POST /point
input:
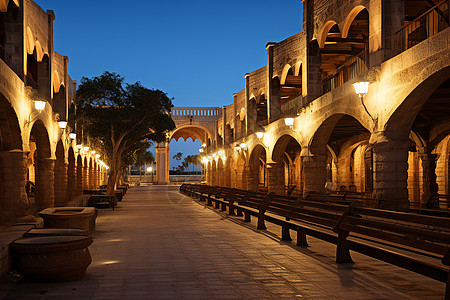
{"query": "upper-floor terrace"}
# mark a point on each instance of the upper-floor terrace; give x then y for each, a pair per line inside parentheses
(341, 41)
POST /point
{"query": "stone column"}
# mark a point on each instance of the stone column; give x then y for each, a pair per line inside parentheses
(273, 100)
(253, 177)
(13, 197)
(390, 172)
(213, 173)
(429, 185)
(45, 180)
(72, 181)
(61, 183)
(98, 176)
(162, 163)
(79, 179)
(275, 178)
(86, 176)
(314, 173)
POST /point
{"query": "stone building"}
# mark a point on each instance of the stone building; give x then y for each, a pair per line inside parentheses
(299, 123)
(40, 165)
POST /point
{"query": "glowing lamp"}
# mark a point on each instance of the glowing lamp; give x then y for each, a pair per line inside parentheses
(201, 150)
(361, 88)
(39, 105)
(289, 121)
(97, 156)
(220, 152)
(243, 146)
(209, 157)
(72, 135)
(238, 148)
(203, 145)
(62, 124)
(79, 146)
(86, 148)
(93, 151)
(259, 134)
(214, 155)
(149, 169)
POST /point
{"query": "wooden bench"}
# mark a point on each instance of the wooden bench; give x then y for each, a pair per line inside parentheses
(369, 231)
(102, 201)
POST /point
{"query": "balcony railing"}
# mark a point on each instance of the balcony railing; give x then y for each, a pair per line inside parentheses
(426, 25)
(349, 70)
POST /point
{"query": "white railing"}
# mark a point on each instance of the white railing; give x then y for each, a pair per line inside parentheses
(210, 112)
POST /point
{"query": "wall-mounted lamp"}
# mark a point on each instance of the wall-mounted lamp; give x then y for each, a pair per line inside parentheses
(361, 89)
(62, 124)
(289, 121)
(220, 152)
(201, 150)
(86, 148)
(149, 169)
(204, 160)
(79, 146)
(214, 155)
(39, 105)
(72, 135)
(259, 134)
(93, 151)
(243, 146)
(238, 148)
(97, 156)
(203, 145)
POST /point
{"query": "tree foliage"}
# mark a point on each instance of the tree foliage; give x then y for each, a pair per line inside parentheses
(121, 117)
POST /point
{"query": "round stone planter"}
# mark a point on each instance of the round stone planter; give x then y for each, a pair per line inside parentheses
(52, 258)
(37, 232)
(69, 217)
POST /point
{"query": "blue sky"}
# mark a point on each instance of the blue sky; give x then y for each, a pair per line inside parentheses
(196, 51)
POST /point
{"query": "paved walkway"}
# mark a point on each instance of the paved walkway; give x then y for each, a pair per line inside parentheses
(160, 244)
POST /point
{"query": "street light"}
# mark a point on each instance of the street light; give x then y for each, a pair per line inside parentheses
(361, 89)
(39, 105)
(62, 124)
(289, 121)
(72, 135)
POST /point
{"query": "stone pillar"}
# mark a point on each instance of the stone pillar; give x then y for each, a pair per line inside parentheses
(429, 185)
(213, 173)
(72, 190)
(13, 197)
(61, 183)
(98, 176)
(92, 177)
(253, 177)
(45, 180)
(275, 178)
(162, 163)
(390, 172)
(79, 179)
(86, 176)
(274, 99)
(314, 173)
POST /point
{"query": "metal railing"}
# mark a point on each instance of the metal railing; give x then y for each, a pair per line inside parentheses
(426, 25)
(349, 70)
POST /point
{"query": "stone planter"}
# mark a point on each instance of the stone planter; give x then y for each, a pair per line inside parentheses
(52, 258)
(69, 217)
(37, 232)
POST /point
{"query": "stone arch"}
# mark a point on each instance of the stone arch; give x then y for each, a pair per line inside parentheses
(227, 173)
(191, 131)
(5, 3)
(57, 83)
(349, 20)
(220, 172)
(10, 132)
(324, 32)
(256, 166)
(80, 174)
(284, 74)
(44, 166)
(60, 175)
(71, 174)
(287, 153)
(402, 118)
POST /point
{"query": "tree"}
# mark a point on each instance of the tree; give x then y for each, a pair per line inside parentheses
(178, 156)
(123, 117)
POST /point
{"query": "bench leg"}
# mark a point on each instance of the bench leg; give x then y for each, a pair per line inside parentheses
(216, 205)
(261, 223)
(285, 234)
(247, 216)
(301, 237)
(447, 288)
(231, 209)
(208, 202)
(223, 207)
(342, 249)
(239, 212)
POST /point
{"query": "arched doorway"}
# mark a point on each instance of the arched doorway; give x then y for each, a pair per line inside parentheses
(287, 153)
(257, 169)
(60, 176)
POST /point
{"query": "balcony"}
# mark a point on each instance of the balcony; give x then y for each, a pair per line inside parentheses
(347, 71)
(426, 25)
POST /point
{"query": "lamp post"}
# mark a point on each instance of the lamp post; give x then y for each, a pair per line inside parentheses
(361, 89)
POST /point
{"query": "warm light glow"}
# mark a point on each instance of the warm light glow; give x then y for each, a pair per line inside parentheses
(259, 134)
(238, 148)
(243, 146)
(203, 145)
(149, 169)
(201, 150)
(220, 152)
(361, 88)
(72, 135)
(97, 156)
(214, 155)
(289, 121)
(62, 124)
(39, 105)
(86, 148)
(209, 157)
(204, 160)
(79, 146)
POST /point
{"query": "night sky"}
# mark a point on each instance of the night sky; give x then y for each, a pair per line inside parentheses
(196, 51)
